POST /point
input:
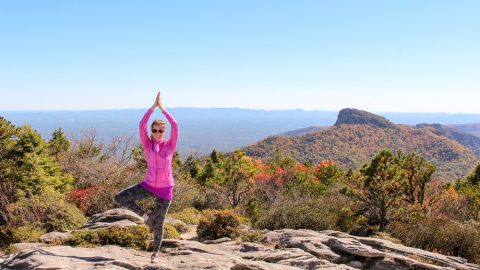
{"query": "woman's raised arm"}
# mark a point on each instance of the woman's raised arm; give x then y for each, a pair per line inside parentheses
(143, 124)
(172, 141)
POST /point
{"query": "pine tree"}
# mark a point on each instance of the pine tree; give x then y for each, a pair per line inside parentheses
(35, 167)
(58, 143)
(232, 177)
(471, 188)
(379, 186)
(418, 173)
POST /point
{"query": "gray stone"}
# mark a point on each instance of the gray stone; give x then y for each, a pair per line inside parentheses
(113, 216)
(54, 237)
(356, 264)
(217, 241)
(105, 225)
(354, 247)
(177, 224)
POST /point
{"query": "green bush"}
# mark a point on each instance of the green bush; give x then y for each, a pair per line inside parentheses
(188, 215)
(27, 233)
(6, 236)
(218, 224)
(179, 226)
(440, 235)
(386, 236)
(129, 236)
(299, 213)
(253, 236)
(11, 249)
(49, 211)
(170, 232)
(206, 198)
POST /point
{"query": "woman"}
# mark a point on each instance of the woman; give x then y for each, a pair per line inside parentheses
(158, 181)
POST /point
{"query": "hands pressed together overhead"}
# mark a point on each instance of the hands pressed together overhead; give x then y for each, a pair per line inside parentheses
(158, 102)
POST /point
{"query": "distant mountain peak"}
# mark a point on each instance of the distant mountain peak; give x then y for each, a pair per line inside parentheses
(351, 116)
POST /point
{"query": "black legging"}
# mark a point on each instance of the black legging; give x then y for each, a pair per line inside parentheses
(128, 197)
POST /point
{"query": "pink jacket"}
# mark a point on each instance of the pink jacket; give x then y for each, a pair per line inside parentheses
(159, 154)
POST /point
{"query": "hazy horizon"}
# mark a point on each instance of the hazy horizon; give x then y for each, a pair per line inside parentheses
(238, 108)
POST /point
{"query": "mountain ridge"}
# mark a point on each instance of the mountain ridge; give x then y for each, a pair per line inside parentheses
(350, 144)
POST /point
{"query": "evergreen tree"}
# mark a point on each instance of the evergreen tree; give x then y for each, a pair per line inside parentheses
(35, 167)
(232, 177)
(58, 143)
(379, 186)
(418, 173)
(471, 188)
(214, 156)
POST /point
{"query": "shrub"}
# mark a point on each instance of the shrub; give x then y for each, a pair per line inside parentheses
(27, 233)
(218, 224)
(130, 236)
(253, 236)
(386, 236)
(179, 226)
(11, 249)
(189, 216)
(6, 236)
(170, 232)
(440, 235)
(48, 211)
(206, 198)
(300, 213)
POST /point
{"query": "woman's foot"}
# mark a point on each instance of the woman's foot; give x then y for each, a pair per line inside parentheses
(155, 258)
(148, 219)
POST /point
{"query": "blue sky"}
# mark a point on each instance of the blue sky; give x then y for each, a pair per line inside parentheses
(381, 56)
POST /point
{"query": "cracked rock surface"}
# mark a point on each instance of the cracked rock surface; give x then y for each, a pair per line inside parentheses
(280, 249)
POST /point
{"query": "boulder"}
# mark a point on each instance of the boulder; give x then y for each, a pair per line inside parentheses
(113, 217)
(54, 237)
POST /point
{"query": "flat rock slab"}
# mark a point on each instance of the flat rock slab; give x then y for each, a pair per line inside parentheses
(372, 253)
(179, 254)
(280, 249)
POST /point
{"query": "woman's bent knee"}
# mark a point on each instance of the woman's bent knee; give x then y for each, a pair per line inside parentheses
(119, 199)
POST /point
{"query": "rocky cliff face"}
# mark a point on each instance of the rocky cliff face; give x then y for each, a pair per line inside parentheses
(359, 117)
(280, 249)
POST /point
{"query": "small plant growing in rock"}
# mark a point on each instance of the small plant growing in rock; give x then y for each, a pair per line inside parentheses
(11, 249)
(253, 236)
(130, 236)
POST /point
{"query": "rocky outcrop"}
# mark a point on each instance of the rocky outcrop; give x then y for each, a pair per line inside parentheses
(279, 249)
(113, 217)
(359, 117)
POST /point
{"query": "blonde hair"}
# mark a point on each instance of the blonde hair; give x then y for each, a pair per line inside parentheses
(158, 122)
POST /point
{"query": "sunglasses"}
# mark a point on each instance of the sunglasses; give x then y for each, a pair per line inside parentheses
(157, 130)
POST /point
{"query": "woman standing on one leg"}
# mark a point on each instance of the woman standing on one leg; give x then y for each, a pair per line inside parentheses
(159, 179)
